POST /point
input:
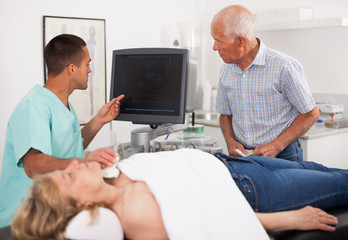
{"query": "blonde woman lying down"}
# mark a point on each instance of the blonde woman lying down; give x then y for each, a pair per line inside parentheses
(185, 194)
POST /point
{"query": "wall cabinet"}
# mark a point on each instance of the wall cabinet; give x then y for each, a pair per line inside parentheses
(305, 24)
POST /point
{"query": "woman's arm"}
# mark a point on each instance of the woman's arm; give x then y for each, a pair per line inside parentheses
(307, 218)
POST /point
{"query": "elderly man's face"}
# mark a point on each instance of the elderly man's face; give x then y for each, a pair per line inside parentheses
(228, 50)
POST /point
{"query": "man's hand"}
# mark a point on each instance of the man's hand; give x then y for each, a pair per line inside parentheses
(267, 150)
(110, 110)
(232, 146)
(106, 114)
(297, 128)
(106, 157)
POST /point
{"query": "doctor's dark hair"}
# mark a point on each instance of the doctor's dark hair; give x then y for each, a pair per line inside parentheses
(63, 50)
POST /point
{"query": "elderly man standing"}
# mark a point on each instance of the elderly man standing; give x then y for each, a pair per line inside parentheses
(263, 97)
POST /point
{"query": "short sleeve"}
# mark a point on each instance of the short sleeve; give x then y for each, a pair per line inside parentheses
(222, 101)
(296, 89)
(30, 128)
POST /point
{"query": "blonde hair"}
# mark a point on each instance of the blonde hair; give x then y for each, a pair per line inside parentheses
(45, 213)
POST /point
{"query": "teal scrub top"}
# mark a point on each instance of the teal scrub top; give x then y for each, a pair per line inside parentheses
(40, 121)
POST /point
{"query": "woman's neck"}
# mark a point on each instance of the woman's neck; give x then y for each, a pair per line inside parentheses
(108, 195)
(114, 189)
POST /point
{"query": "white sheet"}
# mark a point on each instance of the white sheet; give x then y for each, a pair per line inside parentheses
(197, 195)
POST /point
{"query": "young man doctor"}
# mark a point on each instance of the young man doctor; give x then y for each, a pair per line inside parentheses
(43, 133)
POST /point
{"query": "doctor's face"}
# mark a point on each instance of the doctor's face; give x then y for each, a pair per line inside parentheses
(79, 180)
(82, 71)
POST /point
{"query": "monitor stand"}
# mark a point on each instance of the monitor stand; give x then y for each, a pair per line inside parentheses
(142, 136)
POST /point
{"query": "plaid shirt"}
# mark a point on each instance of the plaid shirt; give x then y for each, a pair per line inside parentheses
(265, 98)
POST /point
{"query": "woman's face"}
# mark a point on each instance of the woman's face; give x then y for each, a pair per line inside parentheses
(80, 181)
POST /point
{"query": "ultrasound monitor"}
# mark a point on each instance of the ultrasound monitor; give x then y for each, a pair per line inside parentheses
(153, 81)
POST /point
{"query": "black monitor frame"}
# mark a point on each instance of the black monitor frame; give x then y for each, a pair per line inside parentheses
(152, 119)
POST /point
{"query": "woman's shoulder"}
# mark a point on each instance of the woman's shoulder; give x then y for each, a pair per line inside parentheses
(139, 212)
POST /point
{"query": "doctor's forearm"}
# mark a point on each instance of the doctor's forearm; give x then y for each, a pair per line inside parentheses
(36, 162)
(89, 131)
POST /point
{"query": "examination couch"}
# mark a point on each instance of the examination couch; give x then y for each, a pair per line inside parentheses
(340, 233)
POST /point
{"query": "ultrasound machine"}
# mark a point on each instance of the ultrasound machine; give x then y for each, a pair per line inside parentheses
(159, 85)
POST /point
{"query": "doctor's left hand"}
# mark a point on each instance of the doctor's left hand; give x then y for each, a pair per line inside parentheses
(106, 157)
(110, 110)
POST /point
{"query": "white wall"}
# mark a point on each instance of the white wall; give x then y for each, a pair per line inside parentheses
(134, 23)
(323, 52)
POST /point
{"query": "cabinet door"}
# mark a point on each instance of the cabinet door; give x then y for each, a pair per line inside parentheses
(330, 151)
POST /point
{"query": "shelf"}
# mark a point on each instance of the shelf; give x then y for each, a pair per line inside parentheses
(304, 24)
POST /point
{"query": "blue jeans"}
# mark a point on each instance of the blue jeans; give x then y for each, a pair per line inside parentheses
(292, 152)
(272, 184)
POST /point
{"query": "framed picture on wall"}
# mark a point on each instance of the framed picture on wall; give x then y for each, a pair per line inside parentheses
(85, 102)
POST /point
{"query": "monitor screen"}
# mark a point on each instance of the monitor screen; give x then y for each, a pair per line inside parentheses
(153, 81)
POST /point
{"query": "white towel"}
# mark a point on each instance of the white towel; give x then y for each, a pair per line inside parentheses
(197, 195)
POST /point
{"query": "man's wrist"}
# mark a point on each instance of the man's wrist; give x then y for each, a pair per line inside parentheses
(231, 141)
(97, 122)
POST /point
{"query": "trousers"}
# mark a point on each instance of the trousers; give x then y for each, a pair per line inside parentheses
(292, 152)
(272, 184)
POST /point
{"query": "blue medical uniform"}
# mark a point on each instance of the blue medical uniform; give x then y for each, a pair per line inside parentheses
(42, 122)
